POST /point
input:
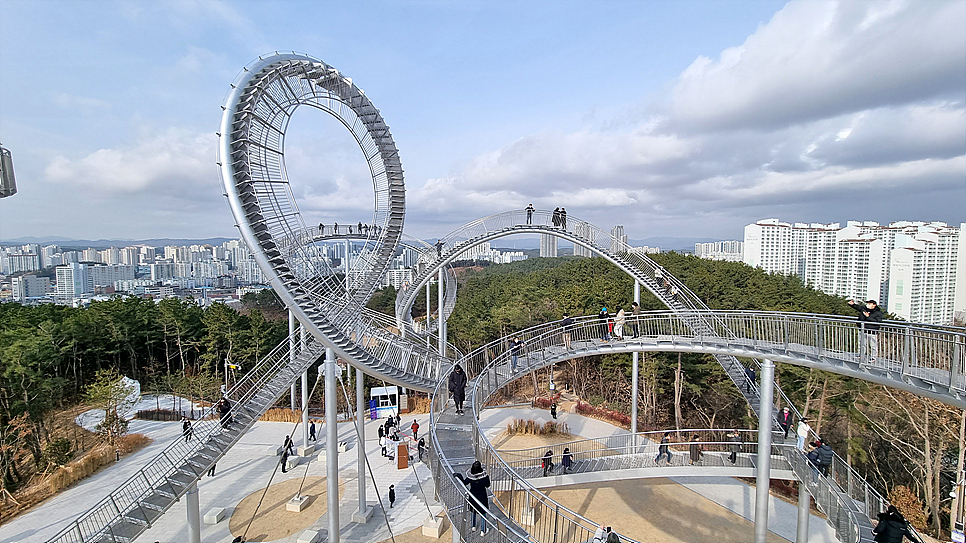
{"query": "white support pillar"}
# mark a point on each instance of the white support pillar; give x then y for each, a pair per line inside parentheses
(292, 346)
(428, 292)
(331, 446)
(364, 512)
(635, 372)
(194, 513)
(763, 472)
(305, 409)
(801, 536)
(441, 321)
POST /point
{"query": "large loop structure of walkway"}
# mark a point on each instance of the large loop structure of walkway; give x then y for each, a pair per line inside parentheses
(924, 360)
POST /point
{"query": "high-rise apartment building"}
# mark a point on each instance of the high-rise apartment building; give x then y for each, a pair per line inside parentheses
(618, 240)
(548, 246)
(72, 281)
(582, 230)
(91, 255)
(22, 262)
(860, 261)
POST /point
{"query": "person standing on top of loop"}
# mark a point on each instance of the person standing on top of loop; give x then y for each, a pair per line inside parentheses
(566, 329)
(457, 386)
(563, 218)
(439, 248)
(870, 320)
(529, 210)
(555, 219)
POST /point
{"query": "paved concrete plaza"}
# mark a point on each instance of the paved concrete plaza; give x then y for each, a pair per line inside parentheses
(247, 468)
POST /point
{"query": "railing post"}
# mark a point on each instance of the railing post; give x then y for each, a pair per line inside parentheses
(907, 350)
(955, 370)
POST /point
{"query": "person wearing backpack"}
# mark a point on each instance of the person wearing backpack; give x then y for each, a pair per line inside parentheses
(825, 455)
(612, 536)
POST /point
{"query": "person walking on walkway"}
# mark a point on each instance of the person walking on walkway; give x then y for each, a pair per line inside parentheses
(695, 449)
(321, 229)
(457, 387)
(734, 438)
(825, 456)
(312, 431)
(566, 329)
(186, 430)
(664, 449)
(224, 412)
(892, 527)
(547, 462)
(555, 218)
(478, 481)
(563, 218)
(211, 471)
(529, 210)
(619, 321)
(439, 248)
(421, 448)
(415, 428)
(566, 460)
(802, 432)
(635, 318)
(285, 454)
(604, 319)
(289, 446)
(392, 495)
(516, 347)
(553, 410)
(750, 378)
(785, 420)
(870, 320)
(336, 228)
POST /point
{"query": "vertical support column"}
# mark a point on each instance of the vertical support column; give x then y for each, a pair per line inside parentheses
(428, 296)
(801, 535)
(331, 446)
(291, 351)
(441, 321)
(346, 264)
(305, 410)
(763, 472)
(635, 373)
(194, 514)
(364, 512)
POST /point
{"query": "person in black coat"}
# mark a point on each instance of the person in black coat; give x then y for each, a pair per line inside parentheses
(392, 495)
(892, 527)
(825, 455)
(870, 320)
(547, 462)
(457, 386)
(478, 481)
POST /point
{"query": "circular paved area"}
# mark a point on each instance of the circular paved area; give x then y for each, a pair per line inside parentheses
(273, 521)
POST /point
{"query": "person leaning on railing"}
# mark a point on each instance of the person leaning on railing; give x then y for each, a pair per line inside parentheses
(870, 320)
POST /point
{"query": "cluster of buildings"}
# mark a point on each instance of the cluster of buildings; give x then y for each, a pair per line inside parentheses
(44, 274)
(915, 270)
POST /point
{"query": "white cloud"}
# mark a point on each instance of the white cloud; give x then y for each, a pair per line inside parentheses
(176, 160)
(821, 59)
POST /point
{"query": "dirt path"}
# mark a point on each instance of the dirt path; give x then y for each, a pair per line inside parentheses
(273, 521)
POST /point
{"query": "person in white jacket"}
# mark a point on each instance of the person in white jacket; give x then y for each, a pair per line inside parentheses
(619, 324)
(802, 431)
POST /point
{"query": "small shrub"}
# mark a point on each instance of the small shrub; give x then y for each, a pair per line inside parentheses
(532, 428)
(66, 475)
(59, 451)
(909, 505)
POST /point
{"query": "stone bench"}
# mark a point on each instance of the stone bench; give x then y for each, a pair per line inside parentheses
(310, 536)
(215, 515)
(293, 461)
(274, 451)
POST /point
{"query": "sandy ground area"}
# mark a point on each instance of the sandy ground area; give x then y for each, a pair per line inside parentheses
(273, 521)
(520, 441)
(657, 511)
(416, 536)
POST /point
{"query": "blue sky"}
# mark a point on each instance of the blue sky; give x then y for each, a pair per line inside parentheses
(672, 118)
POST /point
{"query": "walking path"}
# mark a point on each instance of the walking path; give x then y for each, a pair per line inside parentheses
(247, 466)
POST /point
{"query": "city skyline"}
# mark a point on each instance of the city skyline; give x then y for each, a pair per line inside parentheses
(681, 120)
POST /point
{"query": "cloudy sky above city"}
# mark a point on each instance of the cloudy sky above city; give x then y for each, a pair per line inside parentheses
(684, 119)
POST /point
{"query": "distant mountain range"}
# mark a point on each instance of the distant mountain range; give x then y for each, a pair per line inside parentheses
(105, 243)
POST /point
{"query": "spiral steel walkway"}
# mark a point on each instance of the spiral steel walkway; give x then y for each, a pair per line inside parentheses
(924, 360)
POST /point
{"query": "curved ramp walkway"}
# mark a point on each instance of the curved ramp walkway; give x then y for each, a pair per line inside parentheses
(829, 343)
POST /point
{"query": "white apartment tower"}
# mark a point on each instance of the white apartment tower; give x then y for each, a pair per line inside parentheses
(915, 270)
(548, 246)
(619, 239)
(582, 230)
